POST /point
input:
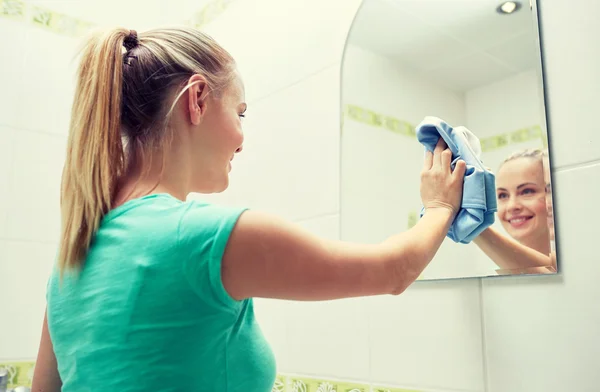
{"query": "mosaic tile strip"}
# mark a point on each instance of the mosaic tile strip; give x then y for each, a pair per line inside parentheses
(19, 373)
(404, 128)
(209, 13)
(301, 384)
(44, 18)
(67, 25)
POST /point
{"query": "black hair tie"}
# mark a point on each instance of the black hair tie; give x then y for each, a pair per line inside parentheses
(131, 41)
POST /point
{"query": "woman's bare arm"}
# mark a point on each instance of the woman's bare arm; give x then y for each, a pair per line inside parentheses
(508, 254)
(45, 376)
(270, 258)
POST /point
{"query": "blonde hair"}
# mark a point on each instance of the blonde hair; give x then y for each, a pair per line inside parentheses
(533, 153)
(123, 85)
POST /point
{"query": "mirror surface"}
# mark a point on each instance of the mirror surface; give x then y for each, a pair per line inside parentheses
(474, 65)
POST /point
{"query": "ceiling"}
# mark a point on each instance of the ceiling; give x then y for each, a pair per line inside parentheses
(460, 44)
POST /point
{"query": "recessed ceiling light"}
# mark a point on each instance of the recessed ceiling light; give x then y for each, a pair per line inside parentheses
(508, 7)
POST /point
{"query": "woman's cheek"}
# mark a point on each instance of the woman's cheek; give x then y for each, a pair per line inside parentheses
(539, 206)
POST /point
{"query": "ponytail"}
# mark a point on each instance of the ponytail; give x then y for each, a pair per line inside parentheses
(124, 95)
(95, 157)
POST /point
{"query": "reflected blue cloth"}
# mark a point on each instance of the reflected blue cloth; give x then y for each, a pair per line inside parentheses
(479, 190)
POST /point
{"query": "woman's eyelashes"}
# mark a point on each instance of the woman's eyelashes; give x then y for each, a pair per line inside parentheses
(529, 191)
(524, 192)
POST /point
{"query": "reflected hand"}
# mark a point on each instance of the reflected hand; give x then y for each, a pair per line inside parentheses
(441, 187)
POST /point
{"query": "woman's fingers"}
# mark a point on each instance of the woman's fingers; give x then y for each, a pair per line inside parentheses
(459, 169)
(437, 153)
(428, 161)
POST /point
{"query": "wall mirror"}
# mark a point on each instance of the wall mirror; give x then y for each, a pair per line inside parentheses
(475, 64)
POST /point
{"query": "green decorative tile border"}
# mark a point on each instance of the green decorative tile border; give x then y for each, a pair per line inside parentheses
(63, 24)
(19, 373)
(404, 128)
(43, 17)
(302, 384)
(369, 117)
(209, 13)
(293, 383)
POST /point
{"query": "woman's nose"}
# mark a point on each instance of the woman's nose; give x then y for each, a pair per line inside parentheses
(239, 149)
(513, 204)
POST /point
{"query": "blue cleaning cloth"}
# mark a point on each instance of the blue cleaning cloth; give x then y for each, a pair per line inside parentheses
(479, 190)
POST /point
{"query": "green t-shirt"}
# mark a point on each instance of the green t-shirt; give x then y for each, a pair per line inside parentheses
(148, 312)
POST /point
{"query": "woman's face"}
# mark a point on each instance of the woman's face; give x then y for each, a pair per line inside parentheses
(521, 192)
(218, 138)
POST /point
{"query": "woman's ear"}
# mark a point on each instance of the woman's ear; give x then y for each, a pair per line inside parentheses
(197, 97)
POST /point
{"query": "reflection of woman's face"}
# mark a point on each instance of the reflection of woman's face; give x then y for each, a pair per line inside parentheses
(521, 193)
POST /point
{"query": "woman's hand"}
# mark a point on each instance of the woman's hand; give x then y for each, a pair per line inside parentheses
(441, 187)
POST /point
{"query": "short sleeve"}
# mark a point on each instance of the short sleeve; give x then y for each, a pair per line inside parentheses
(203, 234)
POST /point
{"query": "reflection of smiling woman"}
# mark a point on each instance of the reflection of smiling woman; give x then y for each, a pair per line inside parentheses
(522, 211)
(521, 199)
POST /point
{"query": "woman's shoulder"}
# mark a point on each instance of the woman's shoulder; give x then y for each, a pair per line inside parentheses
(202, 219)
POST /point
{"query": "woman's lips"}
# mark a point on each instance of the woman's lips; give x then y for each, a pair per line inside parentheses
(519, 221)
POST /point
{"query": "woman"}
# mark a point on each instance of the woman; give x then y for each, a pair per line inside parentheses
(522, 186)
(155, 293)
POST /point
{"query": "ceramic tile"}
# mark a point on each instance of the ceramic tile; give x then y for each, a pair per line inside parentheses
(48, 73)
(19, 373)
(35, 186)
(272, 317)
(290, 162)
(24, 269)
(283, 42)
(6, 167)
(329, 338)
(428, 337)
(11, 75)
(544, 325)
(572, 60)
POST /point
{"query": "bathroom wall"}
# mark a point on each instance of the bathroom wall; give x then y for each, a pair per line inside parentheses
(540, 333)
(39, 41)
(36, 80)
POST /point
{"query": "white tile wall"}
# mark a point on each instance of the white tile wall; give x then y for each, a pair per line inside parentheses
(6, 162)
(277, 43)
(11, 78)
(290, 162)
(24, 270)
(47, 74)
(428, 337)
(329, 338)
(572, 60)
(34, 189)
(542, 333)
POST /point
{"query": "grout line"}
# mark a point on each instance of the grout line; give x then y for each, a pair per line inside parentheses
(292, 84)
(16, 128)
(12, 239)
(575, 166)
(320, 216)
(486, 378)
